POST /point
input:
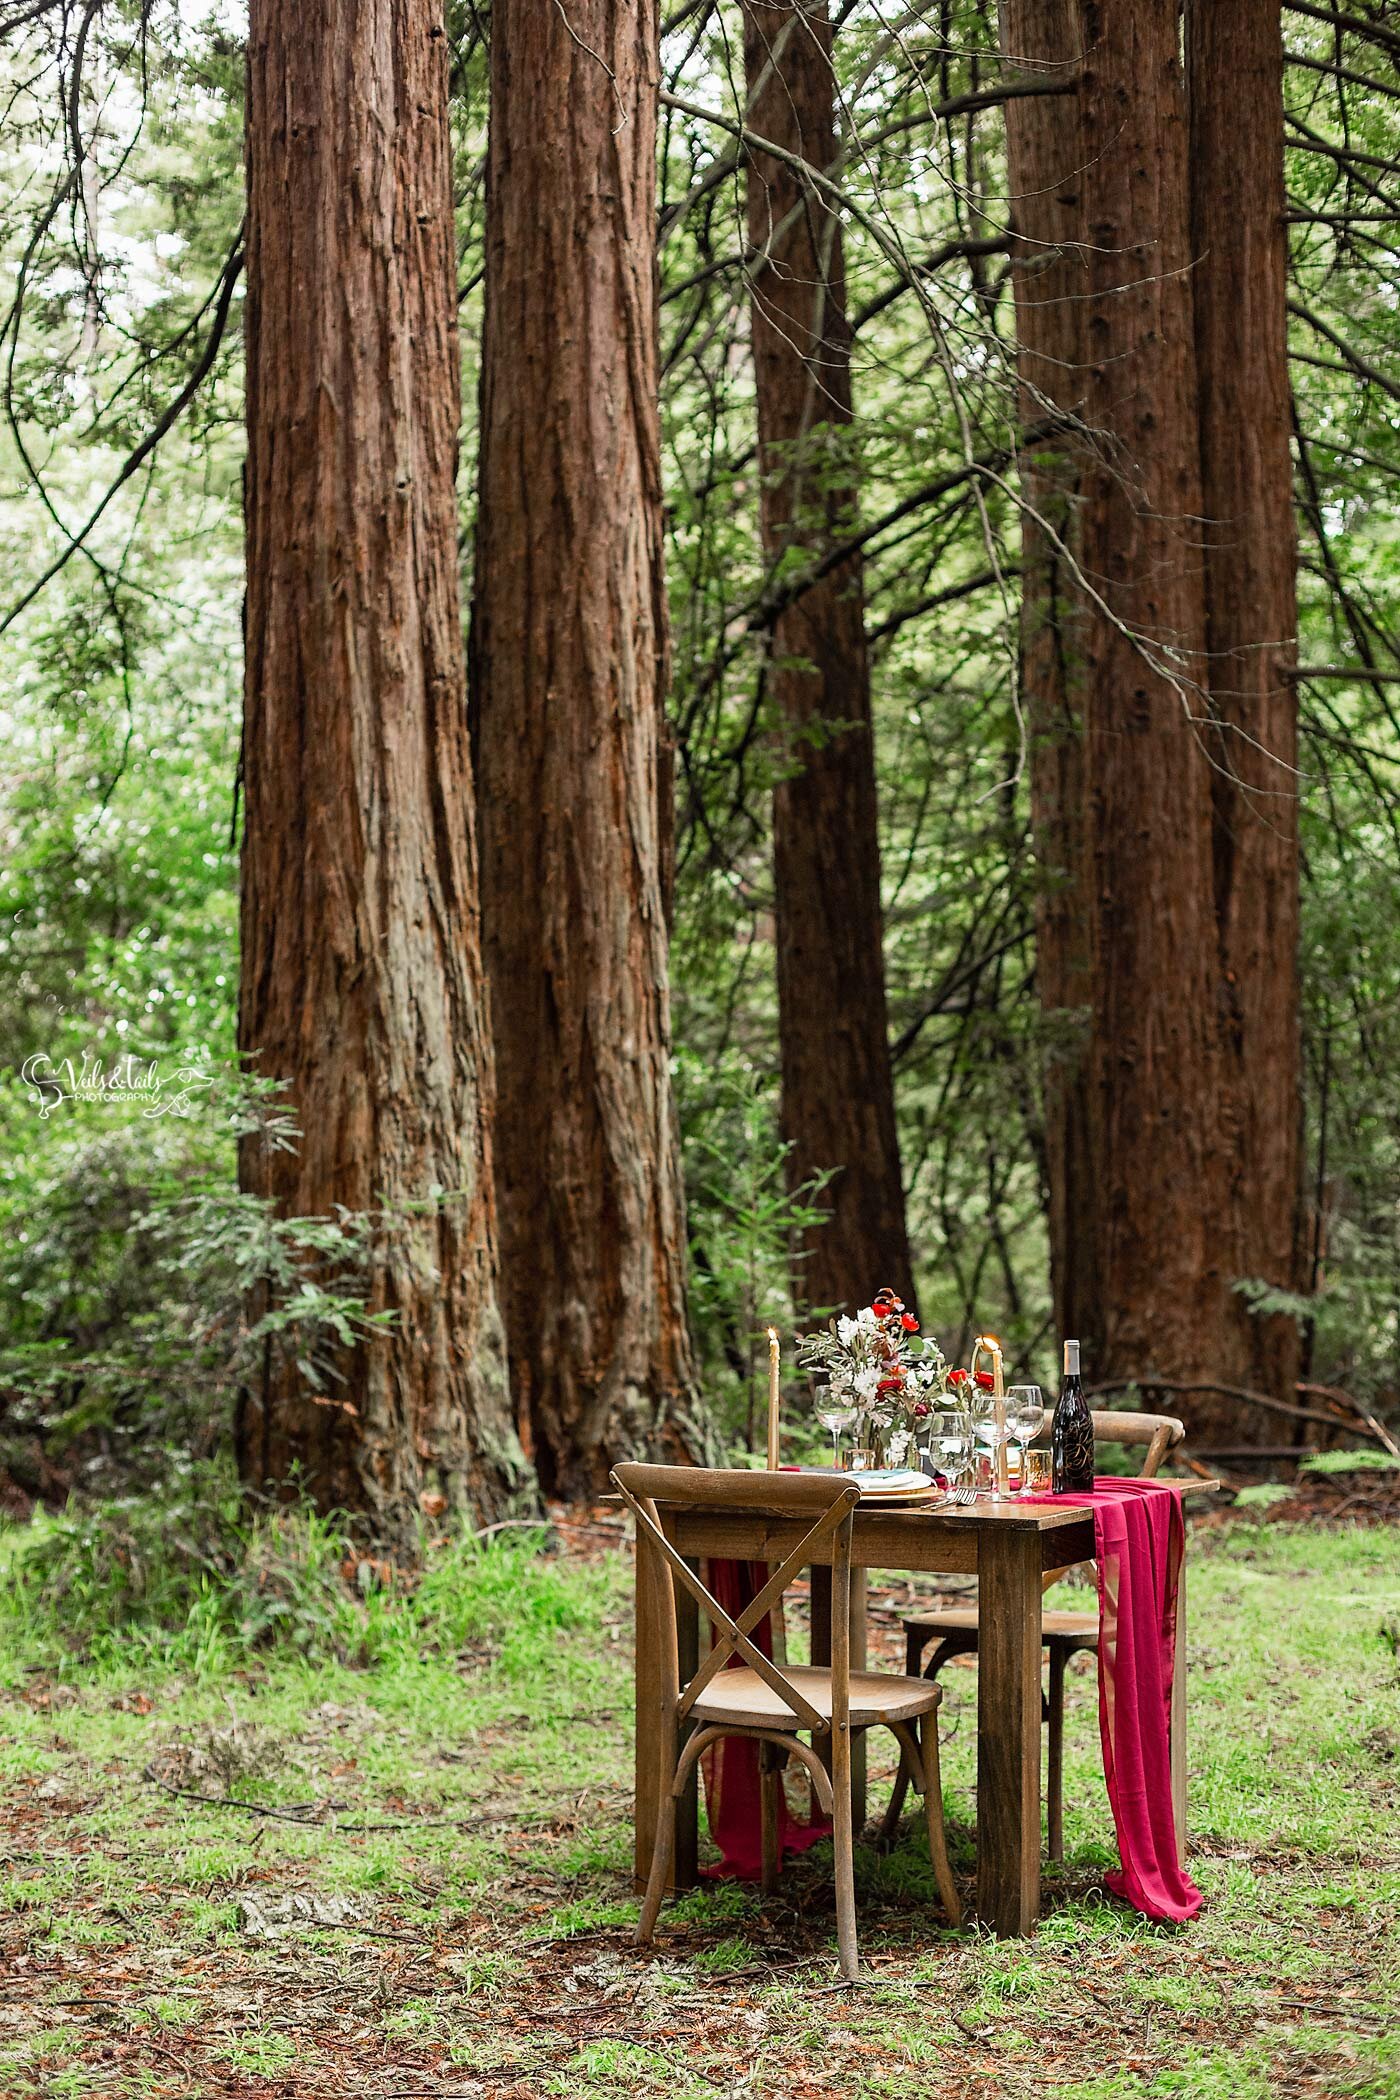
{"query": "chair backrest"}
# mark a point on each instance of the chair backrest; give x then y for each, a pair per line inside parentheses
(1160, 1433)
(826, 1499)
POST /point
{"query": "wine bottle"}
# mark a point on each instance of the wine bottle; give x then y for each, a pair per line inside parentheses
(1072, 1433)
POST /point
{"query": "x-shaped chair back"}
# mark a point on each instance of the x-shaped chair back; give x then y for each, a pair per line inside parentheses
(827, 1498)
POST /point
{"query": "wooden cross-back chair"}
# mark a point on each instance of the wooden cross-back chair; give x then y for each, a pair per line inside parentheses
(1063, 1633)
(738, 1690)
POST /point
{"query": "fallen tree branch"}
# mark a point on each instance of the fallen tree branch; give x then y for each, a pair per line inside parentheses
(1366, 1424)
(1341, 1399)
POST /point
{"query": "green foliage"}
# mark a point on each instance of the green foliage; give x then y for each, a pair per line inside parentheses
(1327, 1463)
(140, 1291)
(189, 1579)
(745, 1224)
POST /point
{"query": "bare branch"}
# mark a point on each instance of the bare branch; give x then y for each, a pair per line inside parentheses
(166, 422)
(1377, 33)
(1352, 358)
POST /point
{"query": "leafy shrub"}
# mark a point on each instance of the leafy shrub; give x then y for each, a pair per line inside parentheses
(140, 1289)
(190, 1580)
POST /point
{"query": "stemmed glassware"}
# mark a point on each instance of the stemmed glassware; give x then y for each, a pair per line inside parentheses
(1025, 1414)
(993, 1434)
(834, 1420)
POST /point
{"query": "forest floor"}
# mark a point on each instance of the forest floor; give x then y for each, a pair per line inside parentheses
(412, 1880)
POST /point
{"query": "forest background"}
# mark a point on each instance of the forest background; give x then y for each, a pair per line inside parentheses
(127, 1252)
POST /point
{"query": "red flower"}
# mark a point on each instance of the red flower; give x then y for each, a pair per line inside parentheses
(890, 1385)
(909, 1323)
(985, 1380)
(881, 1312)
(920, 1409)
(957, 1378)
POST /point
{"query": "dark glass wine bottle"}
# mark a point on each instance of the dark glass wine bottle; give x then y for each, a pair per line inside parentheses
(1072, 1433)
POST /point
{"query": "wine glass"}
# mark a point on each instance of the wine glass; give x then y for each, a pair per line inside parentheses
(992, 1432)
(953, 1436)
(1025, 1414)
(835, 1418)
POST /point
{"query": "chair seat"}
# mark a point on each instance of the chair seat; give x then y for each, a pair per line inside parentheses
(740, 1698)
(1079, 1629)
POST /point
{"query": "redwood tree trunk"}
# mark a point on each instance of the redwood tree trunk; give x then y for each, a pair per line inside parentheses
(837, 1086)
(361, 977)
(1138, 1172)
(569, 665)
(1239, 277)
(1048, 286)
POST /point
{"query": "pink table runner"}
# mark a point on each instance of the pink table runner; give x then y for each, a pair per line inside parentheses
(1138, 1542)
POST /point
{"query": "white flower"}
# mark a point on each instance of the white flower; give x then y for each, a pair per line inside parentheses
(846, 1330)
(866, 1320)
(897, 1449)
(867, 1382)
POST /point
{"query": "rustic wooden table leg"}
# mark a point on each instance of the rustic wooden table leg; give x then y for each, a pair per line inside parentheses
(821, 1655)
(1008, 1729)
(647, 1714)
(686, 1870)
(1178, 1719)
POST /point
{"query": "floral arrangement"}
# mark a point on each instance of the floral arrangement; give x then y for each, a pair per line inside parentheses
(878, 1364)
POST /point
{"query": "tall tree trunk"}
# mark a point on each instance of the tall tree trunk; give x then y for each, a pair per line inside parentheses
(361, 976)
(1239, 278)
(569, 666)
(1048, 283)
(837, 1086)
(1139, 1177)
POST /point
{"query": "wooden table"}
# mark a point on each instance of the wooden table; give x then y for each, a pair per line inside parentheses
(1008, 1547)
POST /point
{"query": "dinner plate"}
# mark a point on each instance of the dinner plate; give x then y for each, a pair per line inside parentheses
(895, 1484)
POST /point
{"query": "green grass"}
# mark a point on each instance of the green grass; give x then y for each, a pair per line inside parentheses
(445, 1899)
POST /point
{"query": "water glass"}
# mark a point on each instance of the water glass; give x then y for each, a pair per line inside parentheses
(835, 1420)
(952, 1439)
(1025, 1417)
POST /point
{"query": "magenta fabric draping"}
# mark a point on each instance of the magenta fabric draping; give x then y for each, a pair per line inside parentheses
(1139, 1537)
(733, 1806)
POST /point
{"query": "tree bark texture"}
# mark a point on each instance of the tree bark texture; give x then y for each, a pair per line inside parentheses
(361, 978)
(1239, 281)
(569, 667)
(1139, 1173)
(837, 1086)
